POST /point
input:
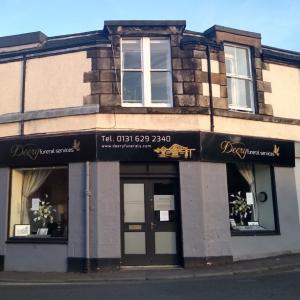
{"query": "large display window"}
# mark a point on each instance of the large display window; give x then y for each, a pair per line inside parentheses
(39, 203)
(251, 198)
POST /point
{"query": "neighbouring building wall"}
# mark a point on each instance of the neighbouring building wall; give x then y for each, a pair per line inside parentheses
(10, 87)
(56, 81)
(288, 241)
(297, 174)
(285, 95)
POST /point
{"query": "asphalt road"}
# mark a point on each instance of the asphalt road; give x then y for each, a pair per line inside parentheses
(259, 287)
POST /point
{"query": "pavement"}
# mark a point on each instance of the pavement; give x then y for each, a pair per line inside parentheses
(277, 264)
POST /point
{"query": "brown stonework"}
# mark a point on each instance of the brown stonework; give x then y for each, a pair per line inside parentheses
(91, 99)
(191, 64)
(199, 54)
(192, 88)
(266, 109)
(237, 39)
(104, 63)
(201, 76)
(260, 97)
(178, 88)
(263, 86)
(101, 52)
(185, 100)
(101, 87)
(107, 75)
(221, 57)
(222, 68)
(176, 64)
(179, 53)
(91, 76)
(175, 39)
(202, 100)
(213, 56)
(223, 91)
(221, 103)
(215, 78)
(258, 73)
(258, 64)
(223, 79)
(266, 66)
(116, 88)
(110, 100)
(185, 75)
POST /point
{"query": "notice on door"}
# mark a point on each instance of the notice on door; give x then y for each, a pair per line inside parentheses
(164, 202)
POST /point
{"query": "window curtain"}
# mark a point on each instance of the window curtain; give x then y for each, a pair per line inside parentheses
(246, 170)
(32, 181)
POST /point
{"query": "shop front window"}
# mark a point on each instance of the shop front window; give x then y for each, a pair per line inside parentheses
(251, 203)
(39, 203)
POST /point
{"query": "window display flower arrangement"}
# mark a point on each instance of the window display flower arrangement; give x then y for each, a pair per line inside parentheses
(239, 209)
(44, 214)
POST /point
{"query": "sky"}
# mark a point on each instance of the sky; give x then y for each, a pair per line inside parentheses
(278, 21)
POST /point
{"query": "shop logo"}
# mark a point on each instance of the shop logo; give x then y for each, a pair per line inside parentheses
(276, 150)
(234, 148)
(32, 152)
(174, 151)
(240, 150)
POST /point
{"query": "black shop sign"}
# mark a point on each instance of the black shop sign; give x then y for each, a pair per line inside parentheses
(232, 148)
(59, 149)
(148, 146)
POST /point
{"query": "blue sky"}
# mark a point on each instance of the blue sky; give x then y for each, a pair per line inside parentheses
(277, 21)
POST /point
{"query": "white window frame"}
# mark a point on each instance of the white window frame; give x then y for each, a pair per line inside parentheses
(146, 74)
(235, 105)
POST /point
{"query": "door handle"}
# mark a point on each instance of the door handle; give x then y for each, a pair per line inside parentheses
(152, 224)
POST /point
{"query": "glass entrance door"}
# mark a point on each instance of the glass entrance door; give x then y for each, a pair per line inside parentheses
(150, 222)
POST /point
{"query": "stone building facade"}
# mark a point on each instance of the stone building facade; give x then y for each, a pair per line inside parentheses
(147, 144)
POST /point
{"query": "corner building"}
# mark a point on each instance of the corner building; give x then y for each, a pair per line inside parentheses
(147, 144)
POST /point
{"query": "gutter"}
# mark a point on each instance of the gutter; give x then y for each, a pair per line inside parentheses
(211, 105)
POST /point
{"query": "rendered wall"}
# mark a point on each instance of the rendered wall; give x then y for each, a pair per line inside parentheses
(56, 81)
(105, 211)
(204, 209)
(285, 96)
(10, 87)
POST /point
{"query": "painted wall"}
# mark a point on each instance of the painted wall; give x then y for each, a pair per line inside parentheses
(56, 81)
(257, 128)
(9, 129)
(35, 258)
(10, 87)
(105, 210)
(76, 232)
(204, 208)
(288, 241)
(163, 122)
(285, 96)
(297, 173)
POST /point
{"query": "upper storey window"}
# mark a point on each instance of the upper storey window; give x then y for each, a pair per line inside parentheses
(146, 72)
(239, 78)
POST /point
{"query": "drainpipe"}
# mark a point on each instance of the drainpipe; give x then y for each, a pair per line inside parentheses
(23, 92)
(211, 105)
(87, 265)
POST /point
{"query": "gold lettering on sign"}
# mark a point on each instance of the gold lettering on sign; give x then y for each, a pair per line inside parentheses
(175, 151)
(234, 148)
(276, 150)
(29, 151)
(76, 145)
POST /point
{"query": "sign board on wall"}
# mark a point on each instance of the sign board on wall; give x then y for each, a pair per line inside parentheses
(233, 148)
(144, 146)
(148, 146)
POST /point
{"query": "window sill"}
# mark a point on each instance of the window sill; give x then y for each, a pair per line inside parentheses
(254, 233)
(37, 240)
